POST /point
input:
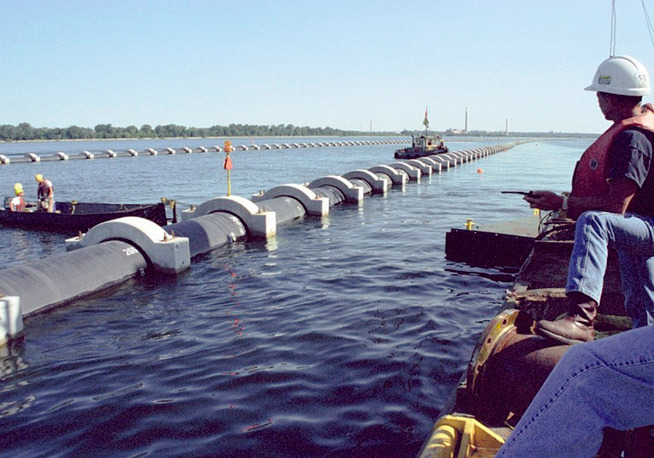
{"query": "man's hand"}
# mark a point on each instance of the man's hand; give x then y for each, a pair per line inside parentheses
(545, 200)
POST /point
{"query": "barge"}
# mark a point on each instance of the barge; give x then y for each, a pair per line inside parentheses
(509, 362)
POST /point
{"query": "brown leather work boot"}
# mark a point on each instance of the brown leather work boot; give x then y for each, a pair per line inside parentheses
(575, 327)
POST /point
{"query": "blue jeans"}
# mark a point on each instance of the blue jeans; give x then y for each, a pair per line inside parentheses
(632, 236)
(604, 383)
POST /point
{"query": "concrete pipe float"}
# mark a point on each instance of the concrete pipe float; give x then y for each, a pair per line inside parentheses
(208, 232)
(425, 169)
(460, 157)
(33, 157)
(4, 160)
(259, 223)
(397, 177)
(170, 150)
(351, 193)
(436, 166)
(132, 152)
(62, 156)
(151, 151)
(413, 172)
(450, 158)
(218, 149)
(376, 184)
(187, 150)
(110, 153)
(285, 208)
(202, 149)
(313, 204)
(440, 159)
(333, 195)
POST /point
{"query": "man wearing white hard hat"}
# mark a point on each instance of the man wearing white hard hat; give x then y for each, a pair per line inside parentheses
(608, 382)
(613, 200)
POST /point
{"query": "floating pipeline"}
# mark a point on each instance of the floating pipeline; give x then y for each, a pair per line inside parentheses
(114, 251)
(110, 154)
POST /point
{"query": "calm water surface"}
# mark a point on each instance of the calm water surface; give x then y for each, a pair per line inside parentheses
(341, 337)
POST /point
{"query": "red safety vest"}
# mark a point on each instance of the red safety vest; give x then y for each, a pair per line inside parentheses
(20, 206)
(589, 178)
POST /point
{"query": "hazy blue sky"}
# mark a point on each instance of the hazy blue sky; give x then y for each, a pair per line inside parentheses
(311, 62)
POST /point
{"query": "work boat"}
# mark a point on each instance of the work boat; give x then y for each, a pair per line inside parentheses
(72, 217)
(424, 145)
(510, 363)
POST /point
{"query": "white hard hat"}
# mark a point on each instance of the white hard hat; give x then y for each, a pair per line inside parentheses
(621, 75)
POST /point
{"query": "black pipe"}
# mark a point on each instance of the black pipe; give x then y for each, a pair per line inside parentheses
(55, 280)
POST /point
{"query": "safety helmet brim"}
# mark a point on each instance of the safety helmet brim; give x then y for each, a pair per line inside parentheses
(621, 75)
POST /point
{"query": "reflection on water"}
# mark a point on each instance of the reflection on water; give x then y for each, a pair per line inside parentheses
(11, 359)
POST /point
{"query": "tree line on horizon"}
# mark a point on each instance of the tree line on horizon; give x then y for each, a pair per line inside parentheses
(24, 131)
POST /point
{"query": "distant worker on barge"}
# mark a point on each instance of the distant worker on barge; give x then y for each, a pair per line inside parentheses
(17, 204)
(613, 200)
(45, 193)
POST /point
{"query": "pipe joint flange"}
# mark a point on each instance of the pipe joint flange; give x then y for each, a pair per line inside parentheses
(259, 223)
(312, 203)
(378, 185)
(398, 178)
(11, 318)
(165, 252)
(352, 193)
(414, 172)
